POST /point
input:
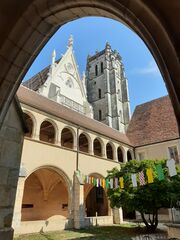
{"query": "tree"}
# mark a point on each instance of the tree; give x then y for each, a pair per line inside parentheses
(147, 199)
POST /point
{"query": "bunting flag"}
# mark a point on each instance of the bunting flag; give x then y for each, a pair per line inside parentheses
(97, 182)
(159, 171)
(111, 183)
(116, 183)
(103, 183)
(107, 183)
(134, 180)
(100, 182)
(121, 182)
(141, 178)
(171, 167)
(90, 181)
(149, 173)
(94, 181)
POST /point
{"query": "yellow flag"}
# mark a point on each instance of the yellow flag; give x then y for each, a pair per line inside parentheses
(121, 182)
(149, 173)
(103, 183)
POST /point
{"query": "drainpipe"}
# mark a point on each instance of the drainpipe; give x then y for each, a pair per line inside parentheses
(77, 152)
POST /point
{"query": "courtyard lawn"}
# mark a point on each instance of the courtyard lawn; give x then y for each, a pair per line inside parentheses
(125, 232)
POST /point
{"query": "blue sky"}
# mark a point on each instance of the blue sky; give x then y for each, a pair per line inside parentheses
(91, 34)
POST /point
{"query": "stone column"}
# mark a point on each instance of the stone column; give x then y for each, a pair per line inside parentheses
(125, 160)
(78, 203)
(18, 203)
(11, 141)
(115, 155)
(37, 131)
(117, 215)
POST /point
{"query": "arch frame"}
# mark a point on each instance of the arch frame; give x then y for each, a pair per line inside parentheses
(18, 54)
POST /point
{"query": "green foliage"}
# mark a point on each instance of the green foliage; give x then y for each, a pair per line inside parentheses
(150, 197)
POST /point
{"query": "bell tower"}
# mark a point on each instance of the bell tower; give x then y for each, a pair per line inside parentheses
(107, 88)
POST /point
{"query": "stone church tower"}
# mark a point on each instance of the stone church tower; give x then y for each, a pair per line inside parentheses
(107, 88)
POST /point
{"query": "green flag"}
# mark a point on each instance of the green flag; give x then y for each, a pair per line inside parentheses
(159, 171)
(107, 183)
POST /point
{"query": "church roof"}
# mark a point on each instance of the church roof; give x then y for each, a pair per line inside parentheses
(39, 79)
(153, 122)
(44, 104)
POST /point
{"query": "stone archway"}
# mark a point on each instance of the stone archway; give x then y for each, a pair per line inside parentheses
(45, 195)
(96, 202)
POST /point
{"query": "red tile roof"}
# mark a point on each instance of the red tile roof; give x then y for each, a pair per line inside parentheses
(153, 122)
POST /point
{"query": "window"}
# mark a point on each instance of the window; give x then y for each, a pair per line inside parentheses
(96, 70)
(100, 115)
(99, 93)
(102, 69)
(173, 153)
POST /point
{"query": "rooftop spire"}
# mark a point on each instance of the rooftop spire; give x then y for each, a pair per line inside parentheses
(53, 57)
(70, 41)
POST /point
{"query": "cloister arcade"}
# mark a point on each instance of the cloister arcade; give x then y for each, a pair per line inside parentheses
(66, 137)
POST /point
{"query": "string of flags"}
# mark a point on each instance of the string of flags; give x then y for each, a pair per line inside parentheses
(141, 178)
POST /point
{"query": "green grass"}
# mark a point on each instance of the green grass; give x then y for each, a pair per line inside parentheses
(123, 232)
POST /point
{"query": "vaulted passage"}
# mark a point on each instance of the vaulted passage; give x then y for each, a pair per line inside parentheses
(47, 132)
(29, 123)
(67, 138)
(45, 195)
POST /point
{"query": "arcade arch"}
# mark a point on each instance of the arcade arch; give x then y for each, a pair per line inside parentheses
(46, 194)
(97, 146)
(84, 142)
(30, 124)
(96, 201)
(109, 151)
(67, 138)
(47, 132)
(120, 155)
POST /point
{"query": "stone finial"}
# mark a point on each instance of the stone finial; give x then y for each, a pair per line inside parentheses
(108, 46)
(53, 57)
(70, 41)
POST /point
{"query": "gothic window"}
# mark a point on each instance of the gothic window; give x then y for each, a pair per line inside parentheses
(173, 153)
(100, 115)
(102, 69)
(96, 70)
(99, 93)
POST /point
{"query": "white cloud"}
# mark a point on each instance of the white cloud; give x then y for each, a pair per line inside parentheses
(149, 69)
